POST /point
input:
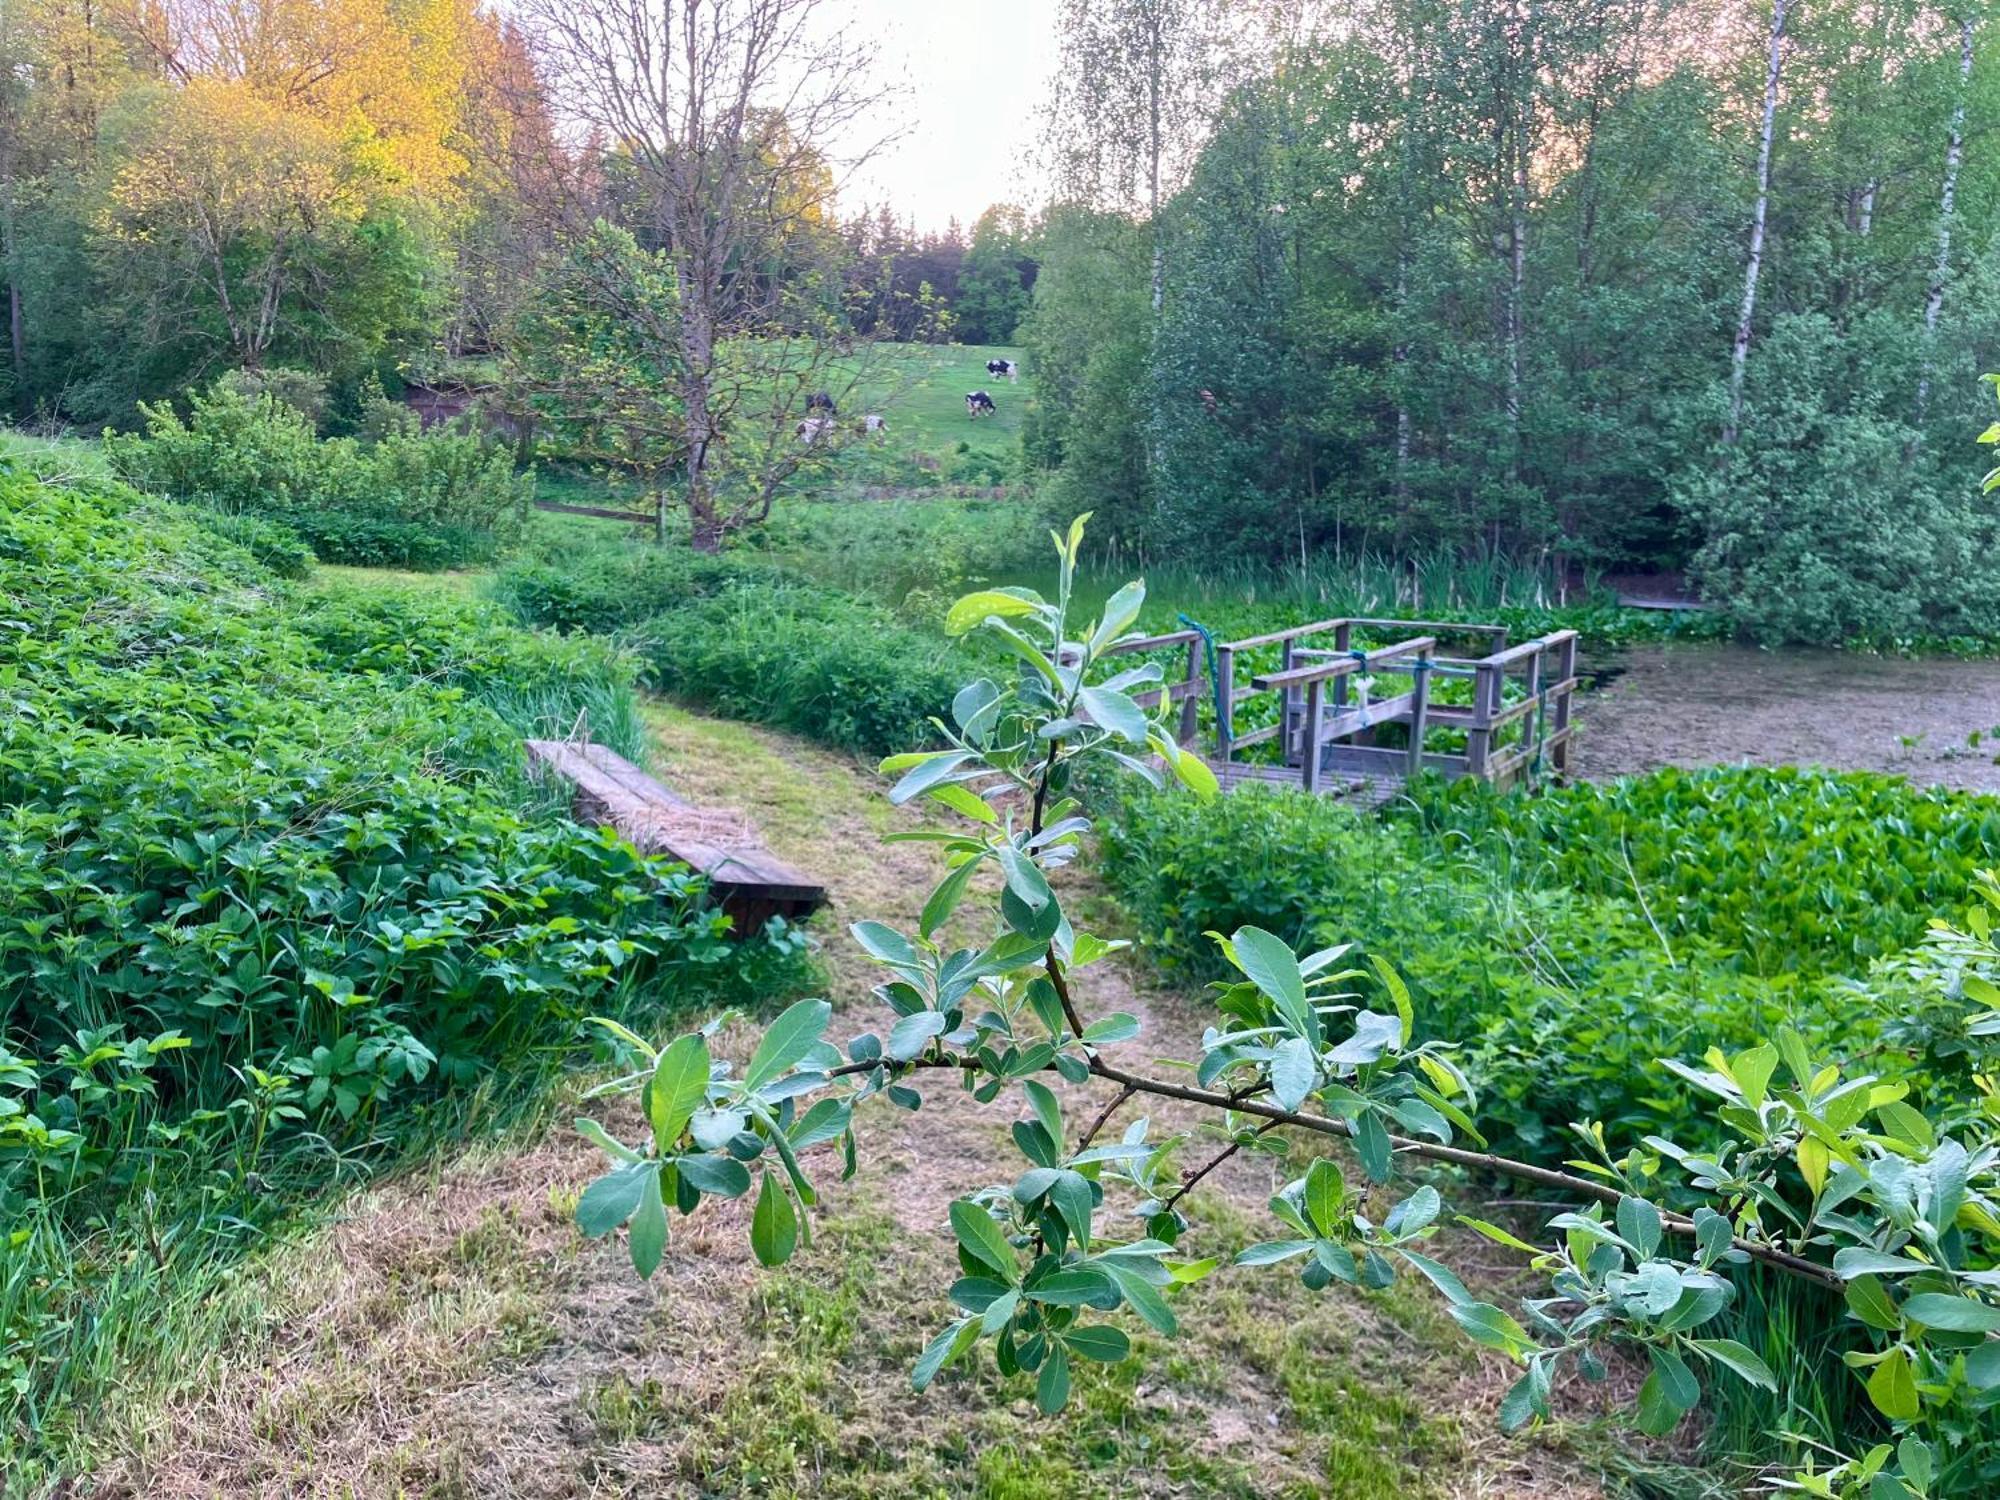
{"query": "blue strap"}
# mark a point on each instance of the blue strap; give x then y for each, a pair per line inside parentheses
(1222, 734)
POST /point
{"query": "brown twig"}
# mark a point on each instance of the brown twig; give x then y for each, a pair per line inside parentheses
(1104, 1116)
(1190, 1180)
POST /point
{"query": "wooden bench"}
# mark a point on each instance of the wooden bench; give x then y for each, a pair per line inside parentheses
(745, 879)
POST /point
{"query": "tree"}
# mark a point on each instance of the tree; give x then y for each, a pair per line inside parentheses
(729, 116)
(998, 280)
(594, 363)
(1134, 91)
(1753, 260)
(1853, 1193)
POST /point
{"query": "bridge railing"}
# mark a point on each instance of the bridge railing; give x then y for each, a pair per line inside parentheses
(1321, 714)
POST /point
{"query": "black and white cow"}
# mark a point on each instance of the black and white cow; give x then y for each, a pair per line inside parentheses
(875, 425)
(1006, 367)
(978, 403)
(821, 401)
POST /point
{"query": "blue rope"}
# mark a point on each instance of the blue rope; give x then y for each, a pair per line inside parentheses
(1222, 734)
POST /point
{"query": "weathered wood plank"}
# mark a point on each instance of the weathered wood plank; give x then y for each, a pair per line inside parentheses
(749, 882)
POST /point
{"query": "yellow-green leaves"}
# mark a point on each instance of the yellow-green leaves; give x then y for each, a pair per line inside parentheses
(975, 609)
(1893, 1386)
(678, 1088)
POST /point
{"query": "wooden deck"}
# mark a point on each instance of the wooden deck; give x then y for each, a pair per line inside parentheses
(746, 880)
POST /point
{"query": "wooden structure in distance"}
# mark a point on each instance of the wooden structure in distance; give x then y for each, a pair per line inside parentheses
(746, 880)
(1327, 723)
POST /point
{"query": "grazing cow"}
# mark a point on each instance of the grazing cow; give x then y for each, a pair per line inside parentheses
(1208, 402)
(875, 425)
(821, 401)
(1005, 367)
(979, 403)
(812, 429)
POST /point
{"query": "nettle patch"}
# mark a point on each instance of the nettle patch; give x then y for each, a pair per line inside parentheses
(1828, 1175)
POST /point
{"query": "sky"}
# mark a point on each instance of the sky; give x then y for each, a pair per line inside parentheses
(977, 72)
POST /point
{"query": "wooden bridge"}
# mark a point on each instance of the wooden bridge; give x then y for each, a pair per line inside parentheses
(1354, 707)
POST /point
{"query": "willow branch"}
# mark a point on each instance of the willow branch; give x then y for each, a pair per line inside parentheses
(1480, 1161)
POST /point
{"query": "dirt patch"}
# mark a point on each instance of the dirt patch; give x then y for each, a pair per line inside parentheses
(1719, 705)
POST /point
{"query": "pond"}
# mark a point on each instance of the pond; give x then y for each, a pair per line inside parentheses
(1934, 720)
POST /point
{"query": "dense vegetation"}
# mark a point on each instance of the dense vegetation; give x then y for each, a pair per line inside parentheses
(395, 496)
(1466, 275)
(1810, 1187)
(278, 903)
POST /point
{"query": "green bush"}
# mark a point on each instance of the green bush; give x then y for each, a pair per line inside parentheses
(406, 498)
(1793, 869)
(272, 894)
(1514, 921)
(834, 668)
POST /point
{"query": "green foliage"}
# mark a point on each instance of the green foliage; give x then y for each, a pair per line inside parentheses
(1805, 871)
(274, 895)
(1576, 937)
(275, 546)
(408, 498)
(747, 641)
(1830, 519)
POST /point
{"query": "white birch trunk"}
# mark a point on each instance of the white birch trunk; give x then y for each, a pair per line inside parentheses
(1739, 353)
(1941, 268)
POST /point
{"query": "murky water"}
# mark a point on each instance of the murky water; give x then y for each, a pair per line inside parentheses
(1716, 705)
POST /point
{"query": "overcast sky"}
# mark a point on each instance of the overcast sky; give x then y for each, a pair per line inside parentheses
(977, 71)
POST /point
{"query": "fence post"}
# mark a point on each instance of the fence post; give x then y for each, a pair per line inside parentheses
(1566, 685)
(1479, 738)
(1191, 704)
(1288, 705)
(1343, 641)
(1225, 703)
(1420, 697)
(1315, 724)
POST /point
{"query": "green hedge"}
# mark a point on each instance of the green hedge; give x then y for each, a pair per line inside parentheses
(745, 640)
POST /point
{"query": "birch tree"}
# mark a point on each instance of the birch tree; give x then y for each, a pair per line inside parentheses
(1954, 156)
(1739, 353)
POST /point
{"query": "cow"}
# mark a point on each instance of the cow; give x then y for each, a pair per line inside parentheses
(1007, 367)
(978, 403)
(812, 429)
(821, 401)
(875, 425)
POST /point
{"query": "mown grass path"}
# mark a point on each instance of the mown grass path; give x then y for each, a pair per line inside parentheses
(452, 1335)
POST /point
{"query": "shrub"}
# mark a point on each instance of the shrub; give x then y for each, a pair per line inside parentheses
(1518, 929)
(834, 668)
(409, 499)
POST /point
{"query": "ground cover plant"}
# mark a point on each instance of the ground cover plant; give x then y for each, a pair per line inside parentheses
(277, 906)
(1829, 1175)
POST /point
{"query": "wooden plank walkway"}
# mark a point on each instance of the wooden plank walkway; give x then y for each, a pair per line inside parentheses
(746, 880)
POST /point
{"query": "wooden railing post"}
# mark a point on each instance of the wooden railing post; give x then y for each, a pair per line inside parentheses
(1343, 642)
(1288, 702)
(1315, 724)
(1191, 704)
(1225, 702)
(1479, 736)
(1566, 680)
(1420, 693)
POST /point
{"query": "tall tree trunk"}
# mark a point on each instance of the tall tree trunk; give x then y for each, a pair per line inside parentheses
(1941, 268)
(1739, 353)
(1154, 147)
